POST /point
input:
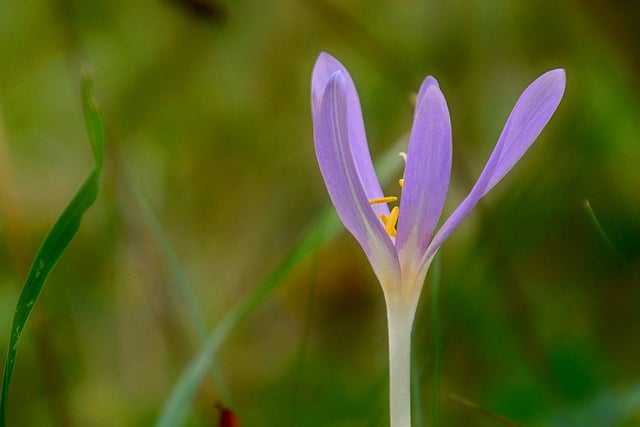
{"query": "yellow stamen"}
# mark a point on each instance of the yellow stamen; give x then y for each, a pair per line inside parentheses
(383, 200)
(390, 223)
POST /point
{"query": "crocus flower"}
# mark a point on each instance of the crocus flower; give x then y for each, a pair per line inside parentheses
(401, 242)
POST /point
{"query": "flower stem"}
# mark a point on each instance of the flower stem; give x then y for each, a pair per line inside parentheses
(400, 324)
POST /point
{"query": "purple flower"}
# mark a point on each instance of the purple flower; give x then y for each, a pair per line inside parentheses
(401, 256)
(401, 242)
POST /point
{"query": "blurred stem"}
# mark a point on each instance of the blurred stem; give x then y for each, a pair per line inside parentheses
(400, 324)
(416, 399)
(480, 410)
(437, 342)
(297, 379)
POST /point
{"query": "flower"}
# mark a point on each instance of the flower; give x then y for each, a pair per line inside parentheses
(401, 242)
(401, 258)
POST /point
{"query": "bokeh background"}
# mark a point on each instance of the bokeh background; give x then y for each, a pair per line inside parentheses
(206, 106)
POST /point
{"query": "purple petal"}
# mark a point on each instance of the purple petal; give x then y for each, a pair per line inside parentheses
(427, 83)
(464, 209)
(426, 176)
(331, 135)
(529, 116)
(326, 65)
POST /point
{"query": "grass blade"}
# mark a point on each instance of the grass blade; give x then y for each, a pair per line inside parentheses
(178, 276)
(436, 415)
(182, 284)
(607, 240)
(416, 396)
(175, 409)
(482, 411)
(56, 241)
(178, 403)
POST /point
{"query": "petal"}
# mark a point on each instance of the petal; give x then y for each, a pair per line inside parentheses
(331, 135)
(326, 65)
(529, 116)
(427, 83)
(464, 209)
(427, 173)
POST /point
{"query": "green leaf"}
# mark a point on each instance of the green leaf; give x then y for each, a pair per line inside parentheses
(56, 241)
(324, 229)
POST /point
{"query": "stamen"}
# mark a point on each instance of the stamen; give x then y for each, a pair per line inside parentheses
(390, 223)
(383, 200)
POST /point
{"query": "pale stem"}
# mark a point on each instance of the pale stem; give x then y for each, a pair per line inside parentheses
(400, 321)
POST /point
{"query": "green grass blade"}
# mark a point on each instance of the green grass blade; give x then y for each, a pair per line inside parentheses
(437, 343)
(416, 396)
(179, 277)
(55, 241)
(175, 409)
(182, 284)
(302, 347)
(607, 240)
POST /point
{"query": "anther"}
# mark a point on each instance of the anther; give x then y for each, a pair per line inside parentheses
(390, 223)
(383, 200)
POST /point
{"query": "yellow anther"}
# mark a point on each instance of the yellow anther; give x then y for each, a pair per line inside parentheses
(383, 200)
(390, 223)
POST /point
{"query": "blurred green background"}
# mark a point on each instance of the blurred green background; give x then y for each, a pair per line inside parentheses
(207, 111)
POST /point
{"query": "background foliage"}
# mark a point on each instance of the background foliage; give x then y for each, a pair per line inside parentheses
(206, 107)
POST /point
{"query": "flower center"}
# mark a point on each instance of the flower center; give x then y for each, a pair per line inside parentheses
(390, 221)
